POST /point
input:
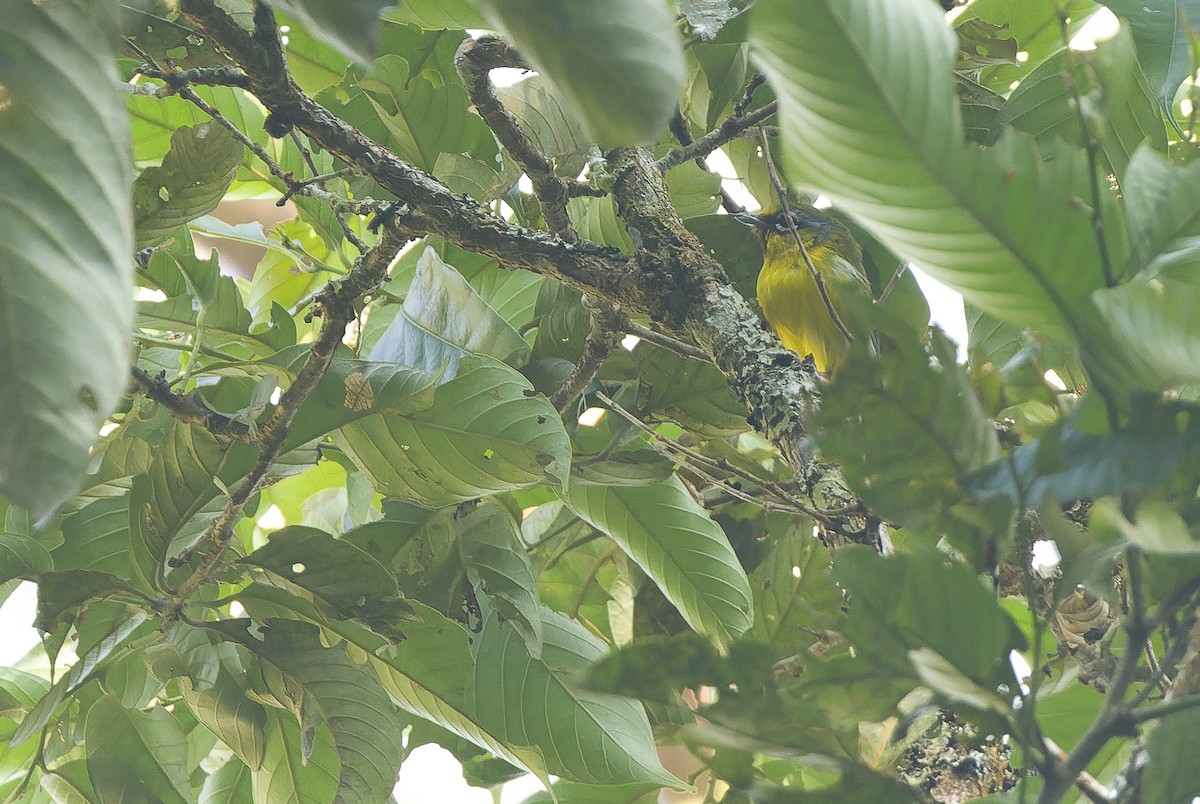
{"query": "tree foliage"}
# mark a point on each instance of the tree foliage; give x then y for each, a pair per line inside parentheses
(401, 484)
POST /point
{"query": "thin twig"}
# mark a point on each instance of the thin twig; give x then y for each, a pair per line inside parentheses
(667, 342)
(891, 285)
(1086, 783)
(756, 81)
(695, 460)
(603, 336)
(337, 307)
(730, 129)
(787, 215)
(679, 128)
(1091, 147)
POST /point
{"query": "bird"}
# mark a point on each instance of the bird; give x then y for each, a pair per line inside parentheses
(790, 298)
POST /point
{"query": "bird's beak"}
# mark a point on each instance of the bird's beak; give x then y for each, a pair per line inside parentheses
(748, 218)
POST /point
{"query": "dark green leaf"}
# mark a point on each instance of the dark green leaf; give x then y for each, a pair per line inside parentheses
(938, 609)
(227, 712)
(347, 698)
(908, 431)
(297, 767)
(336, 571)
(191, 181)
(136, 756)
(491, 546)
(1172, 774)
(22, 557)
(1072, 465)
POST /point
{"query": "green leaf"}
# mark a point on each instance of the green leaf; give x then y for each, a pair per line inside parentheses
(336, 571)
(442, 319)
(673, 539)
(229, 784)
(348, 25)
(61, 592)
(617, 65)
(585, 736)
(347, 698)
(421, 118)
(907, 431)
(693, 393)
(596, 219)
(191, 181)
(437, 14)
(353, 389)
(1151, 315)
(1161, 32)
(181, 480)
(491, 546)
(487, 432)
(227, 712)
(1172, 774)
(136, 756)
(656, 668)
(296, 768)
(65, 221)
(69, 784)
(1001, 225)
(1157, 527)
(313, 63)
(1162, 204)
(1071, 465)
(554, 131)
(928, 601)
(22, 557)
(795, 597)
(1120, 110)
(426, 674)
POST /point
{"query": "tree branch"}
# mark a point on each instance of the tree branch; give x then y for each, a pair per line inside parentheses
(603, 336)
(673, 280)
(335, 304)
(474, 59)
(188, 408)
(730, 129)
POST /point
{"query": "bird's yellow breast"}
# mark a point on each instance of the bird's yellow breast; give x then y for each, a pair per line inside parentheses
(792, 303)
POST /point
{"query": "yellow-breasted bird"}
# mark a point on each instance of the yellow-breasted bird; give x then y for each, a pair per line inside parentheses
(790, 299)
